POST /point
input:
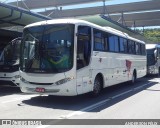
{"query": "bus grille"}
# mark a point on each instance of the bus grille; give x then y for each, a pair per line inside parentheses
(40, 83)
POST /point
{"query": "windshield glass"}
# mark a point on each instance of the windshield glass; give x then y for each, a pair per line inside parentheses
(11, 53)
(150, 57)
(47, 48)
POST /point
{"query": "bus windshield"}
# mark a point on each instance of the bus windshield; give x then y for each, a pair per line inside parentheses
(47, 48)
(10, 54)
(150, 57)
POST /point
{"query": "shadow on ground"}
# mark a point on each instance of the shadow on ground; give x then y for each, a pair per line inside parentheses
(7, 88)
(78, 102)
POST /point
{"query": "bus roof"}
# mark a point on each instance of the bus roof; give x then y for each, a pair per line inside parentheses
(151, 46)
(76, 21)
(115, 30)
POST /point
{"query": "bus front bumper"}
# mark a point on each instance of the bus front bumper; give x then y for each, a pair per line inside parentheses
(66, 89)
(10, 77)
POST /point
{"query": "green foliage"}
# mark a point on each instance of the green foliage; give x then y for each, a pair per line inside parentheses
(151, 34)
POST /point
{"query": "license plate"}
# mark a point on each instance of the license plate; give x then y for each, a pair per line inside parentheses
(40, 90)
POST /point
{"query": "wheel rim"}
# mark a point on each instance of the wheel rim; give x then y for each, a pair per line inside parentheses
(97, 86)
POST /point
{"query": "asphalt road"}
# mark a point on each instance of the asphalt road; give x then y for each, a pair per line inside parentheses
(122, 101)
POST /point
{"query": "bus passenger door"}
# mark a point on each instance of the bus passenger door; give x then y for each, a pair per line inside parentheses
(83, 59)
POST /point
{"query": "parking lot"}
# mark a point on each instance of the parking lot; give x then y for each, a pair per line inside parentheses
(122, 101)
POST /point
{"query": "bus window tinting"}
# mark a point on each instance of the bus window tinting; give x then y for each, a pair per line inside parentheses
(47, 48)
(138, 48)
(143, 49)
(116, 41)
(131, 47)
(123, 45)
(108, 42)
(83, 46)
(99, 42)
(111, 43)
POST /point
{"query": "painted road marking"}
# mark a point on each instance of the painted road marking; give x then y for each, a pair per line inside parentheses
(94, 106)
(84, 110)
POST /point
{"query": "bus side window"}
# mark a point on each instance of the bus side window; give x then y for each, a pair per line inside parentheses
(111, 43)
(106, 41)
(123, 45)
(99, 43)
(138, 48)
(116, 41)
(83, 46)
(131, 47)
(143, 49)
(125, 42)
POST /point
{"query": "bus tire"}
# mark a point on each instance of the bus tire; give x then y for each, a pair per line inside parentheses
(134, 77)
(97, 87)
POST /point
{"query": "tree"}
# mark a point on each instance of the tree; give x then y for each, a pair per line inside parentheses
(151, 34)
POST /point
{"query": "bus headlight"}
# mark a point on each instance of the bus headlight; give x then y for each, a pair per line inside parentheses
(62, 81)
(23, 80)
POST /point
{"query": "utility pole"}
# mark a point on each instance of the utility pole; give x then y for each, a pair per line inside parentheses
(17, 3)
(104, 7)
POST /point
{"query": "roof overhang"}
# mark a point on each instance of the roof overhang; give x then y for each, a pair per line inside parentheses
(35, 4)
(105, 21)
(137, 14)
(13, 16)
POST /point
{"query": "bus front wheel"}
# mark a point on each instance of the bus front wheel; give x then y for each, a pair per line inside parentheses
(97, 87)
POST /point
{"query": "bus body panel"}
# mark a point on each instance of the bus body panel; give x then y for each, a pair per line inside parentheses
(13, 77)
(84, 80)
(48, 82)
(114, 69)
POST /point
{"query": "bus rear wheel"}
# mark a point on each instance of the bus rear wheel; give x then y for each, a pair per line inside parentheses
(97, 87)
(134, 77)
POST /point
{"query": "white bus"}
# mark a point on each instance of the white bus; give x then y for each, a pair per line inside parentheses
(153, 59)
(9, 62)
(69, 57)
